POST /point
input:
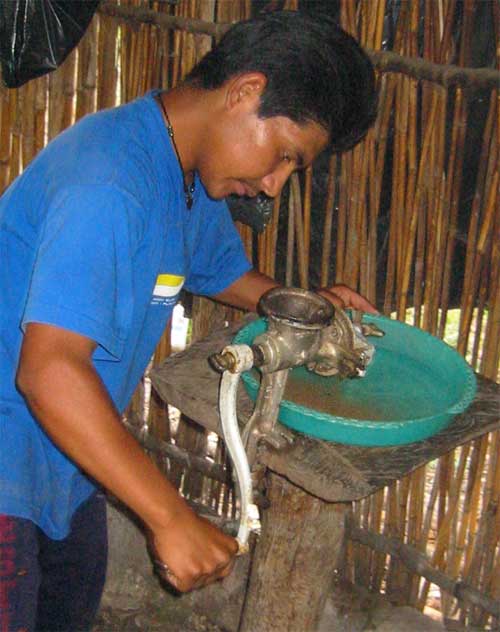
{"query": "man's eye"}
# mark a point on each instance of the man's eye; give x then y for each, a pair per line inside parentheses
(286, 157)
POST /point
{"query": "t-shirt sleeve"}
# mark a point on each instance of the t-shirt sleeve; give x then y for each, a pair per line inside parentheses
(82, 273)
(218, 257)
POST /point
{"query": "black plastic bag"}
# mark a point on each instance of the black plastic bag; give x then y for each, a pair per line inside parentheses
(36, 36)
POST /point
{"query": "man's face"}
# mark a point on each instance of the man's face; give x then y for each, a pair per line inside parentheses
(248, 155)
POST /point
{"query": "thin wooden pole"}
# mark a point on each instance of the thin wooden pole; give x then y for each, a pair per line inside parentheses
(290, 239)
(328, 223)
(299, 230)
(274, 236)
(108, 66)
(455, 170)
(41, 85)
(306, 207)
(28, 123)
(342, 219)
(87, 72)
(480, 250)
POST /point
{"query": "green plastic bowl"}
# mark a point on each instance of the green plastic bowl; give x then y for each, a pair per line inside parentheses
(413, 388)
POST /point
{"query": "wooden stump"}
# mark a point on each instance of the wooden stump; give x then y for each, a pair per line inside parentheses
(294, 561)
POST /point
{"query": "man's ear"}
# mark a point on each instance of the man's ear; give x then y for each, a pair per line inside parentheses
(245, 89)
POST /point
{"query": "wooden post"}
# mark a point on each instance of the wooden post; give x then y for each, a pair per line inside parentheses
(294, 561)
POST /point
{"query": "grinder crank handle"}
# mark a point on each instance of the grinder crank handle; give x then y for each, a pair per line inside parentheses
(249, 513)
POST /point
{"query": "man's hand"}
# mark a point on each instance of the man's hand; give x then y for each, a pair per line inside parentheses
(195, 553)
(343, 297)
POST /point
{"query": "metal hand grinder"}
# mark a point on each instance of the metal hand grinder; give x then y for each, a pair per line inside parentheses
(303, 329)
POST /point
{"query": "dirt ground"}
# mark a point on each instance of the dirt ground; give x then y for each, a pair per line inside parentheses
(113, 620)
(146, 609)
(350, 610)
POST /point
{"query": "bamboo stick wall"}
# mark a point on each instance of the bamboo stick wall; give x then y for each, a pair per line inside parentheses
(416, 151)
(448, 508)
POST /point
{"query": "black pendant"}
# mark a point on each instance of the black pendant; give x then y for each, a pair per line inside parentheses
(188, 194)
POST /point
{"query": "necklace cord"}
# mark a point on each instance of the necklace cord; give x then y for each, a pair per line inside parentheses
(188, 188)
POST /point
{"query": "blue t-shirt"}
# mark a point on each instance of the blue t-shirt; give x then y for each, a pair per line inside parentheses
(95, 237)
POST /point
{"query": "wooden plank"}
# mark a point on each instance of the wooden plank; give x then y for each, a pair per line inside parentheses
(331, 471)
(186, 380)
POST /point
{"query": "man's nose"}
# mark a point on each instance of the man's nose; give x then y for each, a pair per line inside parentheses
(272, 184)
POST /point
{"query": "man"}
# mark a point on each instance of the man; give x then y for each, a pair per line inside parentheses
(97, 238)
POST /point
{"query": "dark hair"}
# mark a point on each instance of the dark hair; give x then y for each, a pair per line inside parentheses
(315, 72)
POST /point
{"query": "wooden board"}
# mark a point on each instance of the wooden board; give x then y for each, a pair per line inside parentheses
(331, 471)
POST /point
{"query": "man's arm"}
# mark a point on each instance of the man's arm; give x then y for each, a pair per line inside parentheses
(246, 291)
(62, 388)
